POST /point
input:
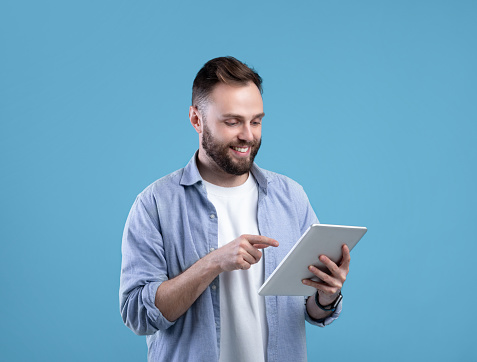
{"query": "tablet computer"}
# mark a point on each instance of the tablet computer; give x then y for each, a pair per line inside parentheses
(319, 239)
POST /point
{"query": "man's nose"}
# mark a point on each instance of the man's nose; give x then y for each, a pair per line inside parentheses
(246, 133)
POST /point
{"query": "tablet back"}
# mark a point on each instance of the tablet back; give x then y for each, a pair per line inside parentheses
(317, 240)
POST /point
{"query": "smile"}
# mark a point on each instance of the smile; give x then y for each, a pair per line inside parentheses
(241, 149)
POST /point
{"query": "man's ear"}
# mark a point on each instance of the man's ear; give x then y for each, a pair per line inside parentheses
(195, 118)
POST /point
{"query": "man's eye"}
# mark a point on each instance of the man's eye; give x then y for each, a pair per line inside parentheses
(231, 123)
(256, 123)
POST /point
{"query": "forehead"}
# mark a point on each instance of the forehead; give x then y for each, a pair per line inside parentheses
(240, 99)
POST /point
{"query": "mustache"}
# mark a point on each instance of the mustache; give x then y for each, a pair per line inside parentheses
(246, 144)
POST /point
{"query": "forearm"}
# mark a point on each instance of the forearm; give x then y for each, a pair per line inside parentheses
(175, 296)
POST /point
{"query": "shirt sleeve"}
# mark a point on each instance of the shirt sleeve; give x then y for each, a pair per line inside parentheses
(143, 269)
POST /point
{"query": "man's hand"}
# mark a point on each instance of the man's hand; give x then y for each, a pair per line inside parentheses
(331, 283)
(241, 253)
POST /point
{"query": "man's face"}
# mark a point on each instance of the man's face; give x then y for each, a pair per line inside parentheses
(232, 125)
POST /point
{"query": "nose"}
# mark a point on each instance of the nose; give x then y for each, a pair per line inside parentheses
(246, 133)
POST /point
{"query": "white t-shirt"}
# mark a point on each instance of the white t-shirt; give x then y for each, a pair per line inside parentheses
(243, 323)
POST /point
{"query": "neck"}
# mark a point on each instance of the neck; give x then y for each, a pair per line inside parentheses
(212, 173)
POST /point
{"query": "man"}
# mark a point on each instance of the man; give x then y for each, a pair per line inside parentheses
(199, 242)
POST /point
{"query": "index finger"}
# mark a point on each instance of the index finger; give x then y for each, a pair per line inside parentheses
(260, 241)
(346, 258)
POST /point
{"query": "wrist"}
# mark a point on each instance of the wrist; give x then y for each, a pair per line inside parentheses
(328, 302)
(213, 264)
(326, 299)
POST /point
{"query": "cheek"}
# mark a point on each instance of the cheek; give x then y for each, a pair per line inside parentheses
(229, 135)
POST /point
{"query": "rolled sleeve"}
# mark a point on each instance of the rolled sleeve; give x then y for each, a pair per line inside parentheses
(328, 320)
(143, 269)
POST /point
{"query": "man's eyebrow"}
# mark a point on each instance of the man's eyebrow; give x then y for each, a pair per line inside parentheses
(238, 116)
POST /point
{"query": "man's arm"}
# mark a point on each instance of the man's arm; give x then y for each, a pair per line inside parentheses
(175, 296)
(331, 286)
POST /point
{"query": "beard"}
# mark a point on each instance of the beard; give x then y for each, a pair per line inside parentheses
(219, 153)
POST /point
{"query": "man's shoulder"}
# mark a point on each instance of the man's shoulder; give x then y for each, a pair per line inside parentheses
(287, 196)
(279, 181)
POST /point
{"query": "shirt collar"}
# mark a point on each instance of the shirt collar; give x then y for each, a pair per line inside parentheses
(191, 174)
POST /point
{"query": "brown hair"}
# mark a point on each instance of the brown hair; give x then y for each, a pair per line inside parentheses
(226, 70)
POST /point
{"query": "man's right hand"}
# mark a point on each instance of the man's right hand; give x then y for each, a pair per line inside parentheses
(241, 253)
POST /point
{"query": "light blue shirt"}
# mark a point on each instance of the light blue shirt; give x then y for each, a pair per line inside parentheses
(171, 225)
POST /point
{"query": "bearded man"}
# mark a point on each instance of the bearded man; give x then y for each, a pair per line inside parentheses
(199, 243)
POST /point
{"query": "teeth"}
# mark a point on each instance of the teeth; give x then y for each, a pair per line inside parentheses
(240, 149)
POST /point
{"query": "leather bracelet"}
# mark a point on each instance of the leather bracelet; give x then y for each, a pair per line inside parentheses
(330, 307)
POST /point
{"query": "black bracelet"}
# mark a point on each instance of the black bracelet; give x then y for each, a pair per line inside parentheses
(330, 307)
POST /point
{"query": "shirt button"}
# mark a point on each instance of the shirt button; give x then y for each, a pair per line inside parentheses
(211, 249)
(213, 287)
(212, 216)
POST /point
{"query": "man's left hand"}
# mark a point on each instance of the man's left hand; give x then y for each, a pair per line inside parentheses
(331, 283)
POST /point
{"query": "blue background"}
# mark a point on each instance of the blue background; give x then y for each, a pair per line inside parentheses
(371, 106)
